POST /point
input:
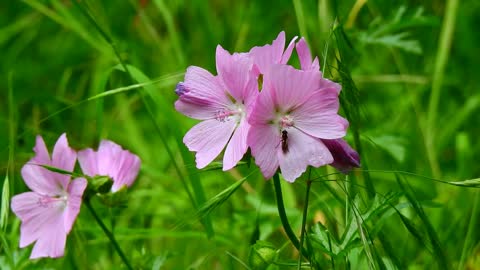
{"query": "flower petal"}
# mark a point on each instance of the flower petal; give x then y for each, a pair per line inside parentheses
(196, 111)
(305, 56)
(303, 150)
(235, 71)
(40, 179)
(202, 88)
(288, 51)
(345, 157)
(129, 165)
(290, 87)
(108, 158)
(41, 152)
(318, 116)
(52, 243)
(263, 109)
(63, 157)
(38, 213)
(237, 146)
(267, 55)
(88, 162)
(264, 141)
(75, 193)
(326, 83)
(208, 138)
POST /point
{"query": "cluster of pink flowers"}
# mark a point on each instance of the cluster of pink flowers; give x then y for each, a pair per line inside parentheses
(291, 122)
(50, 209)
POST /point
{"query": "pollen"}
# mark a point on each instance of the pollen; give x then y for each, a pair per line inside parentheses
(286, 121)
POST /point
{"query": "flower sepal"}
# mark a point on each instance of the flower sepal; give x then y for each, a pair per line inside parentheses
(118, 198)
(100, 184)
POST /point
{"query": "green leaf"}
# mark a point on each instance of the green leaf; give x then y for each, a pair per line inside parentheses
(5, 208)
(54, 169)
(399, 41)
(433, 237)
(215, 202)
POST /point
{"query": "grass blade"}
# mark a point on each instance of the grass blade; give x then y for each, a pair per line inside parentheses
(438, 252)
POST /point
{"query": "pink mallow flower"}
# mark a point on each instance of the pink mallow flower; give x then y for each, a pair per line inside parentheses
(345, 157)
(291, 116)
(50, 209)
(275, 53)
(110, 160)
(223, 103)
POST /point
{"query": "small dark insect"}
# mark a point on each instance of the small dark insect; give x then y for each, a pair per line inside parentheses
(284, 141)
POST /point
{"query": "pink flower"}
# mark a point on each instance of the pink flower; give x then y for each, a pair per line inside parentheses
(345, 158)
(290, 117)
(50, 209)
(223, 103)
(267, 55)
(112, 161)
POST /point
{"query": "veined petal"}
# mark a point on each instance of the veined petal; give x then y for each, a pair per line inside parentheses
(108, 156)
(263, 110)
(63, 157)
(41, 152)
(303, 150)
(52, 241)
(75, 193)
(196, 111)
(264, 141)
(88, 162)
(267, 55)
(40, 179)
(288, 51)
(237, 146)
(290, 86)
(235, 71)
(304, 55)
(129, 166)
(208, 138)
(318, 116)
(37, 213)
(202, 87)
(326, 83)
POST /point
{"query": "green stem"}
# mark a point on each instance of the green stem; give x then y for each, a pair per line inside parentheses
(110, 236)
(283, 215)
(471, 228)
(304, 219)
(445, 42)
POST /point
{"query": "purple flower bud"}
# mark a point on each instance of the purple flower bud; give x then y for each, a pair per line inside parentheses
(180, 89)
(345, 158)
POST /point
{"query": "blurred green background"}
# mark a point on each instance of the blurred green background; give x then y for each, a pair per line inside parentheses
(410, 91)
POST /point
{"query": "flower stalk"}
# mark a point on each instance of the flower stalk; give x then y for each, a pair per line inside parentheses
(304, 219)
(283, 215)
(109, 234)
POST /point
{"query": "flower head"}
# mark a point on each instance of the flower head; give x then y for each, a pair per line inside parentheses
(223, 103)
(50, 209)
(110, 160)
(344, 157)
(290, 117)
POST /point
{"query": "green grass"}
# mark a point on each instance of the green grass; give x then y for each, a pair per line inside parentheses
(97, 70)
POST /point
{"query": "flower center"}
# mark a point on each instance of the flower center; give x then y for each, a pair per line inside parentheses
(47, 201)
(285, 121)
(237, 111)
